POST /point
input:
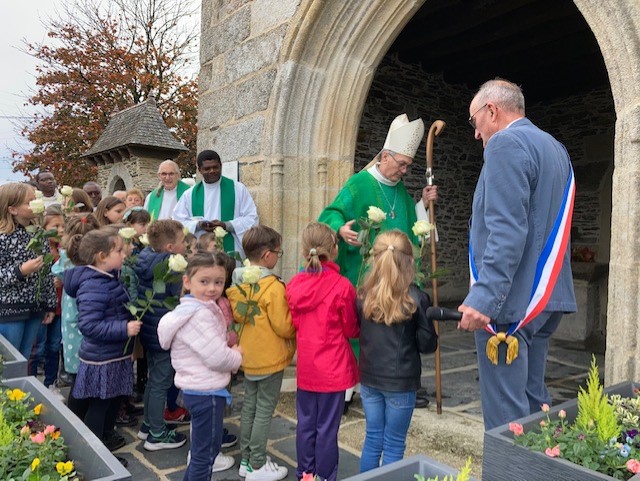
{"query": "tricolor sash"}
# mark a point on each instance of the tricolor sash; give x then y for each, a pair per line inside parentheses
(227, 206)
(547, 272)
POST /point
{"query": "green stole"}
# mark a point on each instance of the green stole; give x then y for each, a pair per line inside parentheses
(157, 195)
(227, 206)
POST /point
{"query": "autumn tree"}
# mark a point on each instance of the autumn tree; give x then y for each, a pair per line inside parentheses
(103, 56)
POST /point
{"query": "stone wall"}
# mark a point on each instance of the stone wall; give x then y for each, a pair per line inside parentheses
(138, 170)
(584, 123)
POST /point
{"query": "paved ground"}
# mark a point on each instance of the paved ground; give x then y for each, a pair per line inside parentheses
(449, 438)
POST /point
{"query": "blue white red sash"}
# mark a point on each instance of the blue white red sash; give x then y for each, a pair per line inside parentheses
(549, 263)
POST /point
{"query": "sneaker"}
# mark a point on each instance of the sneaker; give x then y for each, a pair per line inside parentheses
(167, 440)
(228, 440)
(143, 433)
(242, 471)
(56, 392)
(126, 420)
(222, 463)
(113, 441)
(65, 379)
(270, 471)
(178, 416)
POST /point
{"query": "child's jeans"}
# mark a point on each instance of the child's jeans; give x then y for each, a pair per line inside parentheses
(48, 346)
(22, 334)
(207, 413)
(260, 400)
(155, 394)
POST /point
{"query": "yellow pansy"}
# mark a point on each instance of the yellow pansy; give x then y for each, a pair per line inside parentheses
(55, 435)
(64, 468)
(38, 409)
(35, 463)
(15, 394)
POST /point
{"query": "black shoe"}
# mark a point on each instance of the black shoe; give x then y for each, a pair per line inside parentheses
(123, 461)
(65, 379)
(346, 407)
(133, 410)
(126, 421)
(422, 402)
(113, 441)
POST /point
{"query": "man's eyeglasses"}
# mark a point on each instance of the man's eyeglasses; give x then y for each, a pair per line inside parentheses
(472, 120)
(168, 174)
(401, 165)
(279, 253)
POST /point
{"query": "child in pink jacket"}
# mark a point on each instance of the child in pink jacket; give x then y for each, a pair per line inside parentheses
(196, 333)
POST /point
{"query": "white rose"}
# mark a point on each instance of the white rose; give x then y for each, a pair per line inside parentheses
(219, 232)
(421, 227)
(177, 263)
(37, 206)
(66, 191)
(144, 239)
(127, 233)
(251, 274)
(246, 262)
(375, 214)
(186, 230)
(39, 195)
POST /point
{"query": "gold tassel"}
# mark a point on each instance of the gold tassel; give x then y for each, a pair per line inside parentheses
(512, 349)
(492, 347)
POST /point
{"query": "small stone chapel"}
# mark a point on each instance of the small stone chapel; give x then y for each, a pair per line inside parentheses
(131, 147)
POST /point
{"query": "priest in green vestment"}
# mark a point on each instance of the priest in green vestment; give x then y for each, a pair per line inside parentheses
(161, 201)
(379, 184)
(217, 201)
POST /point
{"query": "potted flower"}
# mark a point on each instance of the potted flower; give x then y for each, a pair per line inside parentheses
(12, 363)
(592, 438)
(40, 439)
(419, 467)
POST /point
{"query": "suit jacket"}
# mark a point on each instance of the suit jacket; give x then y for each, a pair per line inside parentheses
(515, 204)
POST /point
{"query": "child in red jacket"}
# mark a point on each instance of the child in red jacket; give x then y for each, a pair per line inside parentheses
(323, 309)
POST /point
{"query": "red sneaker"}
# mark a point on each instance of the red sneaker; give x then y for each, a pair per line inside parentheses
(178, 416)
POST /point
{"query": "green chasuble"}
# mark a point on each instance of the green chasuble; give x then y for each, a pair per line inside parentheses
(227, 206)
(360, 192)
(155, 200)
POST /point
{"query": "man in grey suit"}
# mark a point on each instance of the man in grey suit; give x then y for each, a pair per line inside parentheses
(525, 184)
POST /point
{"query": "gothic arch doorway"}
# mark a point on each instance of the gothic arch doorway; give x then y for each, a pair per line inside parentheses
(328, 61)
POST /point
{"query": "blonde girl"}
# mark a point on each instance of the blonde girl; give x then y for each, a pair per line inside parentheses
(110, 210)
(323, 310)
(394, 330)
(105, 372)
(22, 308)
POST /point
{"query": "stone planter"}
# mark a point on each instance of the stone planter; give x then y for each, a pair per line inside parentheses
(91, 458)
(15, 365)
(504, 461)
(404, 470)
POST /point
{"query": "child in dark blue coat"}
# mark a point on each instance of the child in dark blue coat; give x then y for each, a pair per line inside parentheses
(105, 373)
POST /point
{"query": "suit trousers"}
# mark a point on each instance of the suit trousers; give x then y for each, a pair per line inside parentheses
(513, 391)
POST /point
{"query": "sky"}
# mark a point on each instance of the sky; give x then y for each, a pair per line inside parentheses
(22, 20)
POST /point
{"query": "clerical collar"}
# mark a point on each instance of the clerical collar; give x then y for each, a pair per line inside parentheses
(381, 178)
(213, 184)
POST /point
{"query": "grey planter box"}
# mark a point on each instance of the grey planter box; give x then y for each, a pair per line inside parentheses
(404, 470)
(91, 458)
(504, 461)
(15, 365)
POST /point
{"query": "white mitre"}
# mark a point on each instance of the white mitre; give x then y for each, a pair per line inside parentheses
(404, 137)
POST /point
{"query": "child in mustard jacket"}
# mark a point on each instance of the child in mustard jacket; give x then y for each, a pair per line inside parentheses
(267, 338)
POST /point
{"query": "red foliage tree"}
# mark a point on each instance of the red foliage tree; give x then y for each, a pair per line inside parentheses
(102, 57)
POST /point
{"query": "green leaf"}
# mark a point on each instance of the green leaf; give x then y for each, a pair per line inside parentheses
(132, 309)
(155, 302)
(141, 302)
(242, 291)
(242, 308)
(148, 294)
(159, 287)
(160, 269)
(256, 288)
(152, 310)
(171, 302)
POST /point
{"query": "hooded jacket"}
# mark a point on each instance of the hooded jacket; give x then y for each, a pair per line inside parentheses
(196, 333)
(145, 262)
(269, 343)
(323, 309)
(390, 355)
(102, 317)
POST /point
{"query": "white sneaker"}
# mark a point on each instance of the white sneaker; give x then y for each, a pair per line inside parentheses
(222, 463)
(242, 471)
(56, 392)
(269, 472)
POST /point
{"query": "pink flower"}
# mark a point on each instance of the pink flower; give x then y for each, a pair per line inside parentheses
(543, 423)
(49, 429)
(25, 430)
(516, 429)
(562, 414)
(307, 477)
(633, 465)
(553, 452)
(544, 408)
(38, 438)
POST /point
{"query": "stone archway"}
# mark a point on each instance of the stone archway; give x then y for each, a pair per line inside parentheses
(327, 61)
